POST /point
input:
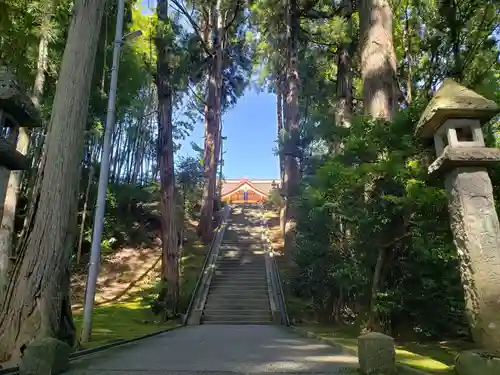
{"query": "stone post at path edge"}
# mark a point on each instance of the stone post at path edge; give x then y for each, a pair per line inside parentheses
(453, 119)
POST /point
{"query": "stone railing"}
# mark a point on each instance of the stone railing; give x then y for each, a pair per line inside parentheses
(274, 285)
(200, 293)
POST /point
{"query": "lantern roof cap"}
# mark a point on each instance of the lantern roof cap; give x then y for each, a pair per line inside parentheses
(15, 101)
(453, 100)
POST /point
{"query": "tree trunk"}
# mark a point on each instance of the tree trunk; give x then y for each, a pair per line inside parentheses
(84, 211)
(378, 71)
(378, 59)
(138, 154)
(292, 125)
(280, 131)
(212, 116)
(344, 105)
(37, 302)
(165, 154)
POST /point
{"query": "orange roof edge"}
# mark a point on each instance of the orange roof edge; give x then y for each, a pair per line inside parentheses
(243, 182)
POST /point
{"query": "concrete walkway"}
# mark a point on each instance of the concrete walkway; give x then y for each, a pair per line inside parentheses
(219, 349)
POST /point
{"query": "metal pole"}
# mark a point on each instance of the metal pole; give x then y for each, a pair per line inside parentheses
(95, 253)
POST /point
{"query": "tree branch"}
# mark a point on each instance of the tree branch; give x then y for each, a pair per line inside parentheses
(309, 37)
(237, 8)
(193, 24)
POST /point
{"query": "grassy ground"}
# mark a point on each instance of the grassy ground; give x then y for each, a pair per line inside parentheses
(120, 321)
(433, 357)
(127, 284)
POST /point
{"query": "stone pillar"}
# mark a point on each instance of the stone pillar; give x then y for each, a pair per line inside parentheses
(476, 231)
(376, 354)
(452, 120)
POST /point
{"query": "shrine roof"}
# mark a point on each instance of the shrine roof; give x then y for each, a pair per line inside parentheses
(262, 186)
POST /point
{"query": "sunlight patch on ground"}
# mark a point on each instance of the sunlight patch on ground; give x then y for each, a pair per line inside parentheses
(257, 252)
(420, 362)
(403, 356)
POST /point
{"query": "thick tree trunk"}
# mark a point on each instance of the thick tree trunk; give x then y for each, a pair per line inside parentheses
(292, 125)
(279, 131)
(378, 71)
(279, 124)
(37, 302)
(212, 118)
(169, 294)
(378, 59)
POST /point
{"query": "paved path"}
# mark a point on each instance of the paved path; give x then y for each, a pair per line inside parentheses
(219, 349)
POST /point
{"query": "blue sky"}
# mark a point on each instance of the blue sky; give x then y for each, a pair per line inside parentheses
(250, 128)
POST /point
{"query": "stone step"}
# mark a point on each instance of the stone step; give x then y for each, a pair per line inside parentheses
(243, 272)
(243, 277)
(231, 316)
(239, 263)
(235, 320)
(259, 253)
(218, 290)
(228, 275)
(230, 304)
(241, 245)
(243, 291)
(228, 255)
(233, 255)
(238, 292)
(231, 275)
(240, 285)
(215, 295)
(236, 323)
(235, 265)
(247, 313)
(240, 281)
(223, 298)
(235, 270)
(235, 273)
(241, 258)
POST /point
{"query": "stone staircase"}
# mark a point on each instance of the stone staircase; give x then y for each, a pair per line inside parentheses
(238, 292)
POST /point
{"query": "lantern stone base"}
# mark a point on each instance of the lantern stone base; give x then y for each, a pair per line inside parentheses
(46, 356)
(476, 230)
(453, 157)
(475, 362)
(377, 355)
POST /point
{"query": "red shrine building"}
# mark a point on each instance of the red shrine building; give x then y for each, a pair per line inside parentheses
(247, 190)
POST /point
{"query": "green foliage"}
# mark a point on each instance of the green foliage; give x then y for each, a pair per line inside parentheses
(274, 199)
(378, 194)
(190, 184)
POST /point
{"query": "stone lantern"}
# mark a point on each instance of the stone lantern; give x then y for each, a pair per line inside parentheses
(16, 110)
(453, 119)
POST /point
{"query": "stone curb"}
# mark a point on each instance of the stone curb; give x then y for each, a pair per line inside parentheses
(406, 370)
(83, 353)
